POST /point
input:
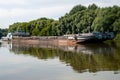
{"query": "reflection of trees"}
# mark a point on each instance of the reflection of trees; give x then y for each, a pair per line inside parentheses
(95, 49)
(40, 53)
(93, 62)
(78, 61)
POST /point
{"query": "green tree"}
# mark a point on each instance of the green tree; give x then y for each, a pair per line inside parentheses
(76, 9)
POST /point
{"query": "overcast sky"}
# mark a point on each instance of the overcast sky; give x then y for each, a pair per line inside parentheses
(12, 11)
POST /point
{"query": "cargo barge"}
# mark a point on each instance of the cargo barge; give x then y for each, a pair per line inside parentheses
(65, 39)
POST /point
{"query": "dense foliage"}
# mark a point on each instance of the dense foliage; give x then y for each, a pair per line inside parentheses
(80, 19)
(90, 19)
(39, 27)
(3, 32)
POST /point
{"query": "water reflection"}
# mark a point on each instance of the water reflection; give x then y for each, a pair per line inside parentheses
(91, 48)
(82, 58)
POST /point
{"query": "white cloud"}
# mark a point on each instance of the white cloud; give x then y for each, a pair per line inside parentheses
(20, 14)
(12, 11)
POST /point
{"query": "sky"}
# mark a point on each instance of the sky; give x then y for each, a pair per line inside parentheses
(12, 11)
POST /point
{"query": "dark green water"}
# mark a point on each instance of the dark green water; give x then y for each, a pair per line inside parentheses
(47, 62)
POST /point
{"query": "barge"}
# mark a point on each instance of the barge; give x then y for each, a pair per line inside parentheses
(65, 39)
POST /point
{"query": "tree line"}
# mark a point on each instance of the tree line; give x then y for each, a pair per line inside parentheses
(80, 19)
(39, 27)
(83, 19)
(3, 32)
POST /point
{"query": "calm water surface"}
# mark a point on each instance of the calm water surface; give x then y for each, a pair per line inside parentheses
(48, 62)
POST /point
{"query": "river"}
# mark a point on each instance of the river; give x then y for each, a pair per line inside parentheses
(99, 61)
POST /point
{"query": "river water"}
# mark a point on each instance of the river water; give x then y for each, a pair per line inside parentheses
(49, 62)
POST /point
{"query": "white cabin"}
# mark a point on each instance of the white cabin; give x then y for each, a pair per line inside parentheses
(8, 37)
